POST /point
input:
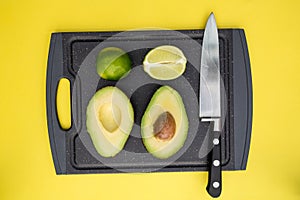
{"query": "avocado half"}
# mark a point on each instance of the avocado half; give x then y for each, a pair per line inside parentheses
(164, 125)
(109, 120)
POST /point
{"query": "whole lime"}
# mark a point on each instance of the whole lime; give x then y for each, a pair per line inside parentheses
(113, 63)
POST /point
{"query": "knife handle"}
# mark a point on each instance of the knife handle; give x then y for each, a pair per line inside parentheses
(214, 186)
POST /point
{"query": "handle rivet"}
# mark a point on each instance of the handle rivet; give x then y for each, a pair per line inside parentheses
(216, 184)
(216, 163)
(216, 141)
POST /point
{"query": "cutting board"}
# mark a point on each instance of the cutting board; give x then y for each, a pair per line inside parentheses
(72, 57)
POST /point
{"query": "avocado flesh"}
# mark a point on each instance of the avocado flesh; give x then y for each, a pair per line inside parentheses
(109, 120)
(165, 99)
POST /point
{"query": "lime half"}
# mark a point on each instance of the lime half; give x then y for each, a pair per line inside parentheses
(113, 63)
(165, 63)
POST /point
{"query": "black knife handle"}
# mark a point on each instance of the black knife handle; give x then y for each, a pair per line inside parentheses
(214, 185)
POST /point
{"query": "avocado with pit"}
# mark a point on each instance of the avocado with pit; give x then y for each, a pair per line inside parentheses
(164, 125)
(109, 120)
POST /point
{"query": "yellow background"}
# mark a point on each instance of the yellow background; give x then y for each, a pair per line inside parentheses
(272, 30)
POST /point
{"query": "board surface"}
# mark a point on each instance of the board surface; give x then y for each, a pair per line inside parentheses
(72, 55)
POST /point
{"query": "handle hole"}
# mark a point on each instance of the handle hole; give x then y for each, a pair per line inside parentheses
(63, 103)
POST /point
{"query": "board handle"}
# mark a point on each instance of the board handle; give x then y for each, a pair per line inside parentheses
(57, 135)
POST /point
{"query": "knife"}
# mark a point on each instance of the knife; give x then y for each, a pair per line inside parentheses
(210, 102)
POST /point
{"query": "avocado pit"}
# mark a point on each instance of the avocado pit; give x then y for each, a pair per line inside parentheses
(164, 127)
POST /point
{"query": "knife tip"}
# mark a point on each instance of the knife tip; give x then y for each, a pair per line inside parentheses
(211, 19)
(212, 15)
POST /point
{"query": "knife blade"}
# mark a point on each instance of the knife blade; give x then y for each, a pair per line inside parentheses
(210, 102)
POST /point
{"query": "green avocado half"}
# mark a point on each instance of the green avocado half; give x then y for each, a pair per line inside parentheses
(164, 125)
(109, 120)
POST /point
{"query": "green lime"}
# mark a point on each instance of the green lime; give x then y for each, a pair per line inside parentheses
(113, 63)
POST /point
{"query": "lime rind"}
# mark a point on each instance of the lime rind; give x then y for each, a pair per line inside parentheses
(113, 63)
